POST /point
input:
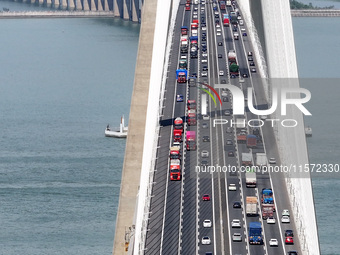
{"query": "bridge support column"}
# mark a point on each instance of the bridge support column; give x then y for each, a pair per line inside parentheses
(99, 6)
(126, 9)
(70, 5)
(118, 8)
(86, 6)
(78, 5)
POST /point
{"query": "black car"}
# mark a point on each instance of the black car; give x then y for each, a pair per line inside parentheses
(206, 138)
(232, 76)
(204, 163)
(250, 58)
(237, 205)
(223, 81)
(229, 142)
(292, 253)
(245, 75)
(205, 68)
(235, 29)
(216, 16)
(220, 43)
(252, 64)
(217, 21)
(202, 19)
(204, 44)
(219, 55)
(225, 99)
(194, 75)
(289, 232)
(204, 38)
(204, 34)
(231, 154)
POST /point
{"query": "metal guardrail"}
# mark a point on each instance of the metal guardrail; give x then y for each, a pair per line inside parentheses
(315, 13)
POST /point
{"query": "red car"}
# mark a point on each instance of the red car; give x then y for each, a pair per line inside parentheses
(187, 7)
(206, 197)
(289, 240)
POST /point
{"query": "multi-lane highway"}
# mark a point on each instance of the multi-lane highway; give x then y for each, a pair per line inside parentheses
(177, 210)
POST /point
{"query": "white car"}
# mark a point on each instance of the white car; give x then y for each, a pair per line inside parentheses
(204, 60)
(218, 33)
(285, 219)
(206, 240)
(263, 117)
(273, 242)
(206, 117)
(218, 25)
(194, 16)
(221, 72)
(204, 74)
(285, 212)
(224, 93)
(204, 28)
(237, 237)
(205, 154)
(204, 54)
(272, 161)
(232, 187)
(236, 223)
(218, 29)
(207, 223)
(271, 220)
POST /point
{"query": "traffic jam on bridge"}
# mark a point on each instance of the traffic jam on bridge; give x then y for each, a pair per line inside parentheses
(194, 208)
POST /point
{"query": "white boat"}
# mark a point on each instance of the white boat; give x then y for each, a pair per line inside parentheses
(120, 132)
(308, 131)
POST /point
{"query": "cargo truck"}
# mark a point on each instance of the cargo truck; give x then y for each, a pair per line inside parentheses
(251, 141)
(192, 81)
(226, 20)
(250, 177)
(191, 104)
(267, 202)
(175, 152)
(194, 41)
(183, 63)
(184, 30)
(241, 137)
(255, 233)
(261, 159)
(233, 17)
(267, 210)
(178, 123)
(247, 159)
(240, 123)
(175, 170)
(181, 75)
(191, 140)
(231, 56)
(191, 117)
(222, 5)
(251, 206)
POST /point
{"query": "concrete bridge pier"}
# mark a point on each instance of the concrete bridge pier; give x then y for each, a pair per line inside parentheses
(99, 5)
(86, 6)
(70, 5)
(78, 5)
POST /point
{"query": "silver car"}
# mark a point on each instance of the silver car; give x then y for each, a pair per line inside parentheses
(237, 237)
(205, 154)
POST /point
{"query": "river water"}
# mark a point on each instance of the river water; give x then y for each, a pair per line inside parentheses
(62, 82)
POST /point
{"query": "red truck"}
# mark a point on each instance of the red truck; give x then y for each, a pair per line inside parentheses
(191, 117)
(175, 170)
(194, 26)
(178, 129)
(184, 30)
(241, 137)
(251, 141)
(191, 104)
(178, 123)
(181, 75)
(187, 7)
(191, 140)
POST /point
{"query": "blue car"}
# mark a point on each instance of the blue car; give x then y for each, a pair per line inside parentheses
(179, 98)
